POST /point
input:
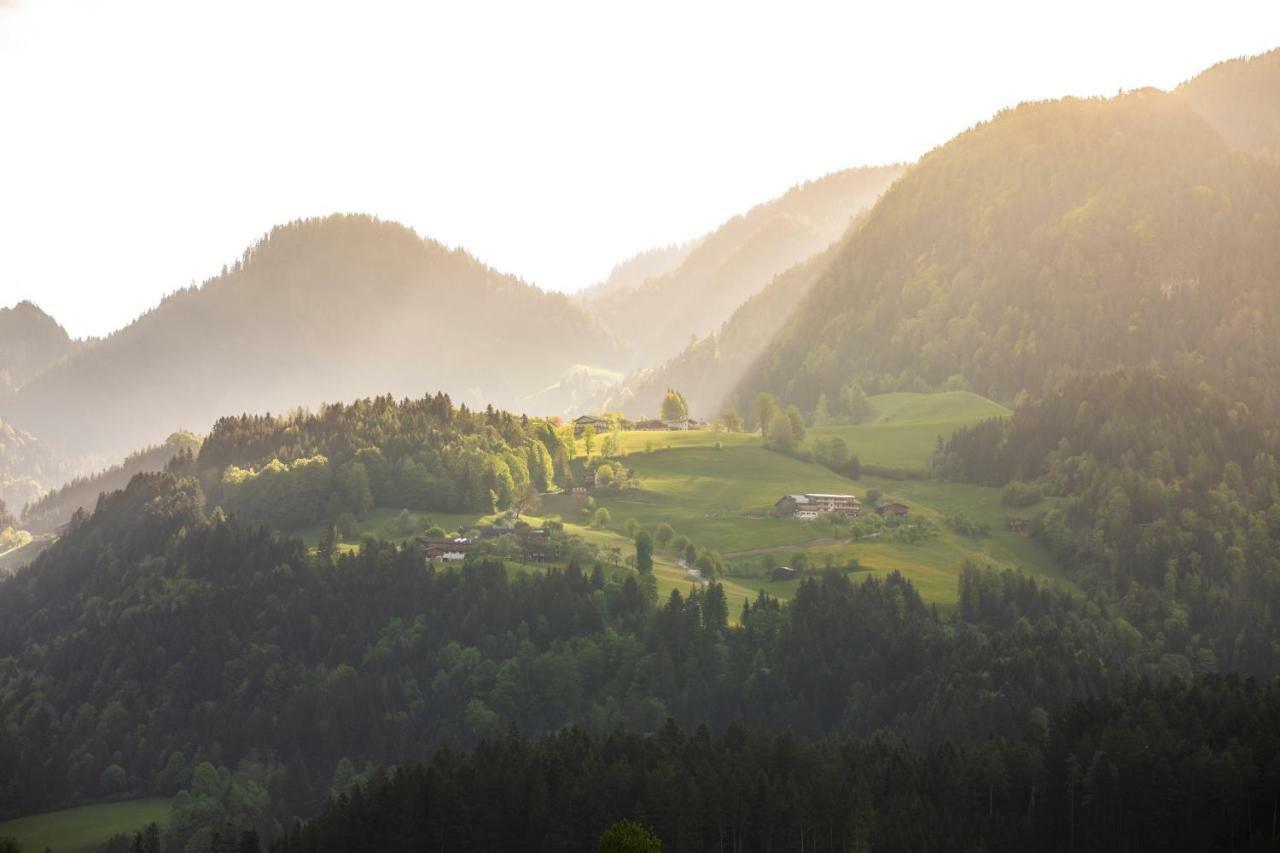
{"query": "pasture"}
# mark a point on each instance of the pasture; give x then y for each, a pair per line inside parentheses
(82, 829)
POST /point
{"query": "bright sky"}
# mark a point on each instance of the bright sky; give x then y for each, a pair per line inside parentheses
(144, 144)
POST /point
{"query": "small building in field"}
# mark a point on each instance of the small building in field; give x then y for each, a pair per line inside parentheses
(809, 506)
(445, 550)
(894, 510)
(597, 423)
(784, 573)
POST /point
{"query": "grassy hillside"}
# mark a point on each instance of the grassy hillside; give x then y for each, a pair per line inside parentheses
(721, 500)
(80, 830)
(904, 427)
(718, 489)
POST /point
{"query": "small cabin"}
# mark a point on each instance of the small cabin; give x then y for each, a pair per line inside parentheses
(581, 423)
(784, 573)
(893, 510)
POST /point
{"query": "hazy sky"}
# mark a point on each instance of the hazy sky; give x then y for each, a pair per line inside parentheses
(144, 144)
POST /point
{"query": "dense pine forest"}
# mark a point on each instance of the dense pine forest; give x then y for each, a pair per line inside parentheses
(1168, 504)
(1153, 768)
(211, 657)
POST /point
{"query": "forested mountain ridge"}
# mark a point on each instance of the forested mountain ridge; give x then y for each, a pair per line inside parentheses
(1240, 98)
(321, 309)
(30, 341)
(731, 264)
(1060, 237)
(639, 268)
(55, 507)
(707, 370)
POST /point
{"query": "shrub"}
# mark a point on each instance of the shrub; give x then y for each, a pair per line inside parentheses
(1020, 494)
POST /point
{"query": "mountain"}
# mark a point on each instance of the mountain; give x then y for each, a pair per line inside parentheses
(54, 508)
(725, 268)
(27, 467)
(321, 309)
(634, 271)
(1058, 238)
(1239, 99)
(30, 341)
(707, 370)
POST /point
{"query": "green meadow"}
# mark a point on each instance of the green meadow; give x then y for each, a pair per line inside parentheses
(82, 829)
(904, 428)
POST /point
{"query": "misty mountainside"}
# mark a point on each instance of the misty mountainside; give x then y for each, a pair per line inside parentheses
(636, 270)
(1241, 99)
(321, 309)
(1058, 238)
(55, 507)
(30, 341)
(27, 467)
(707, 370)
(725, 268)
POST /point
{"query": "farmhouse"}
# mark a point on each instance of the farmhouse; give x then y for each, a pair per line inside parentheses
(597, 423)
(893, 509)
(447, 550)
(809, 506)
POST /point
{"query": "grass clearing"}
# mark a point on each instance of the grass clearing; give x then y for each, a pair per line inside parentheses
(82, 829)
(903, 429)
(16, 558)
(721, 500)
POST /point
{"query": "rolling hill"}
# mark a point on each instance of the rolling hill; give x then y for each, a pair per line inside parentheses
(1060, 237)
(707, 370)
(320, 309)
(728, 266)
(30, 341)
